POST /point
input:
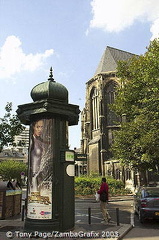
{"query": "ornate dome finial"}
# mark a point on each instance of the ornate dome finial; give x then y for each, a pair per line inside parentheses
(50, 90)
(51, 75)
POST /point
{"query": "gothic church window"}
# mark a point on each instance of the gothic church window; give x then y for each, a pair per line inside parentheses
(127, 174)
(109, 172)
(117, 174)
(95, 109)
(109, 95)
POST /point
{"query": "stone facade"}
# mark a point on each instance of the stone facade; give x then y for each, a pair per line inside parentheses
(98, 121)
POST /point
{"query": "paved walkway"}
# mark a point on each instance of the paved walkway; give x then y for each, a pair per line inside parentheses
(139, 233)
(13, 229)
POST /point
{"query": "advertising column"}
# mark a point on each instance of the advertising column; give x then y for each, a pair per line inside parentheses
(40, 170)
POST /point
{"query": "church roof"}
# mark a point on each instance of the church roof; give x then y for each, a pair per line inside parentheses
(110, 58)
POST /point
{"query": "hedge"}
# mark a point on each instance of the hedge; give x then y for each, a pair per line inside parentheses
(89, 185)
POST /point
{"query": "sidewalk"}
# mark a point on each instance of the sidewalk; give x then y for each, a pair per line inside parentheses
(13, 228)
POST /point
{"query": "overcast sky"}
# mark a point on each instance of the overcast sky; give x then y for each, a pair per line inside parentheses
(70, 36)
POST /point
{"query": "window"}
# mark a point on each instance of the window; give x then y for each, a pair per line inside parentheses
(110, 136)
(95, 109)
(117, 175)
(109, 96)
(128, 174)
(109, 172)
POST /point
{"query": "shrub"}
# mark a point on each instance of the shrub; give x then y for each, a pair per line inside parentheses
(89, 185)
(12, 169)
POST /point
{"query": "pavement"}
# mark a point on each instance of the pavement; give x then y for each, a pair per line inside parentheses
(12, 228)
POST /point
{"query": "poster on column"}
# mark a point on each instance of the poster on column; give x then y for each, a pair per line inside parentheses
(40, 170)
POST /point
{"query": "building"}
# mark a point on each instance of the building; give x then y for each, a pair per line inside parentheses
(23, 138)
(19, 150)
(98, 121)
(80, 163)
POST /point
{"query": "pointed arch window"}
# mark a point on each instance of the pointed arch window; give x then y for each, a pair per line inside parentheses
(128, 174)
(109, 95)
(117, 174)
(95, 109)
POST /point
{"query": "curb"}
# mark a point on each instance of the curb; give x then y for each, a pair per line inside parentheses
(124, 230)
(121, 231)
(112, 199)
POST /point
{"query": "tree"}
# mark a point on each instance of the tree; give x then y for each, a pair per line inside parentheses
(136, 143)
(12, 170)
(10, 126)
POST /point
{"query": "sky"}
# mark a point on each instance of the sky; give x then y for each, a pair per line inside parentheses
(70, 36)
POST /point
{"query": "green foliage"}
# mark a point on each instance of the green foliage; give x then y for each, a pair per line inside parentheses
(10, 126)
(12, 170)
(137, 141)
(90, 185)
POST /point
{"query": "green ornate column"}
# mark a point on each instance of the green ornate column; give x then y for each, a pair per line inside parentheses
(50, 190)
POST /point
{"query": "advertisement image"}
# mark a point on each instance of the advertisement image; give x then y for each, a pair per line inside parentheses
(40, 170)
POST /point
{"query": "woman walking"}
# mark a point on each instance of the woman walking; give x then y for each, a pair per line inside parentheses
(103, 191)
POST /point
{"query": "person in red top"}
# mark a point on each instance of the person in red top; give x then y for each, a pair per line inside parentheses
(104, 188)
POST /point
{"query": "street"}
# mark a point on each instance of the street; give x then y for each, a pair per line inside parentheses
(82, 211)
(146, 231)
(88, 218)
(149, 230)
(84, 222)
(87, 211)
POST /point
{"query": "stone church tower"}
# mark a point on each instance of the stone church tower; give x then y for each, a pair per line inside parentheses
(97, 120)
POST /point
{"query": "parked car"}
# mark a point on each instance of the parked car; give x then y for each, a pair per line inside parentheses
(146, 203)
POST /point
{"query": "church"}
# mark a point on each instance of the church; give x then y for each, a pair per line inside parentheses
(98, 121)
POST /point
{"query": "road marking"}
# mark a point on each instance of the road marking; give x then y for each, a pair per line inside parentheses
(86, 215)
(132, 219)
(78, 221)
